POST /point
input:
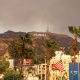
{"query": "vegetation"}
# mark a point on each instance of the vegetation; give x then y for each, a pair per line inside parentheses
(51, 46)
(76, 33)
(21, 48)
(3, 66)
(12, 75)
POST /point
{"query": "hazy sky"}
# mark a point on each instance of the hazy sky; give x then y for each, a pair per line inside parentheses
(36, 15)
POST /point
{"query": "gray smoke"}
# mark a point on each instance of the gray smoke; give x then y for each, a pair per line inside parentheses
(36, 15)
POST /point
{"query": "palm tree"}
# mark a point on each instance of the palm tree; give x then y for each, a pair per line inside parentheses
(51, 46)
(26, 52)
(21, 48)
(76, 32)
(26, 45)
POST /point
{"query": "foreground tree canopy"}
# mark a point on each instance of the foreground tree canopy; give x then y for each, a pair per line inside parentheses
(75, 30)
(51, 46)
(4, 65)
(21, 48)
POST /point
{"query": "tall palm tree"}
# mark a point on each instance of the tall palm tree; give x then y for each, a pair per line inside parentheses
(51, 46)
(26, 43)
(21, 48)
(76, 32)
(26, 50)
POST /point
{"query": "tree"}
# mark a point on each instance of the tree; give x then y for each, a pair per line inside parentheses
(12, 75)
(76, 32)
(3, 65)
(21, 48)
(14, 49)
(26, 45)
(51, 46)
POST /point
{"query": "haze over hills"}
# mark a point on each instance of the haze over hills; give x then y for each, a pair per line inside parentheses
(61, 39)
(10, 34)
(38, 40)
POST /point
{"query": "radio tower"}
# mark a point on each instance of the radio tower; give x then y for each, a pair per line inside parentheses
(47, 55)
(47, 32)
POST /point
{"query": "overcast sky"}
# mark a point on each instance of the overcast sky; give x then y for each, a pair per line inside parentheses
(36, 15)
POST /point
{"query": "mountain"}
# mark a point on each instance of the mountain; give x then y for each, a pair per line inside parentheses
(61, 39)
(10, 34)
(38, 38)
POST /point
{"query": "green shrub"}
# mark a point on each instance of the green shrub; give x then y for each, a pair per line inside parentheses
(12, 75)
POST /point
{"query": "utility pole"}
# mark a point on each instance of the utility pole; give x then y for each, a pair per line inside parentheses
(45, 67)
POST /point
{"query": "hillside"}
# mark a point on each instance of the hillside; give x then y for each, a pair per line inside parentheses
(10, 34)
(62, 40)
(38, 40)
